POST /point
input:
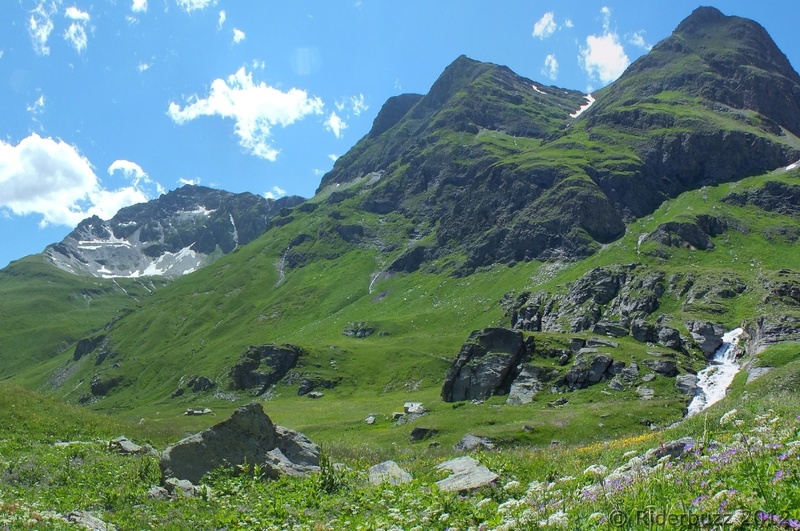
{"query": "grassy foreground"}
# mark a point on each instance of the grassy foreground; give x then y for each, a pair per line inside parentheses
(743, 471)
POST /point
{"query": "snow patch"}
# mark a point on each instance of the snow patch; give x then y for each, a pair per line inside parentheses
(93, 245)
(793, 166)
(589, 99)
(197, 211)
(235, 231)
(537, 89)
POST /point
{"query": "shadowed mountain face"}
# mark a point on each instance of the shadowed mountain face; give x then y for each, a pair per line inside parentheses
(169, 236)
(498, 168)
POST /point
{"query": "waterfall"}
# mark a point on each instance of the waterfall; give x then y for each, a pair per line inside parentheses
(713, 381)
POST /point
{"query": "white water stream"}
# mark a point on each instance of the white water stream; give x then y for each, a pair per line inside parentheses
(713, 381)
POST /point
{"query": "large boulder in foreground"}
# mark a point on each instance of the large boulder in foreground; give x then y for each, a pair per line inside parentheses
(486, 365)
(248, 436)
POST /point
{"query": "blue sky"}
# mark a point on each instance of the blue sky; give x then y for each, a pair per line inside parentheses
(105, 103)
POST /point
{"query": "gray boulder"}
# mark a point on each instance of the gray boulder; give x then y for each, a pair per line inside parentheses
(466, 474)
(662, 367)
(262, 366)
(687, 384)
(388, 472)
(707, 336)
(485, 366)
(247, 436)
(470, 443)
(526, 385)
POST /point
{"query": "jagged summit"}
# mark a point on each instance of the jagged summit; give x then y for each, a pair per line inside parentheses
(169, 236)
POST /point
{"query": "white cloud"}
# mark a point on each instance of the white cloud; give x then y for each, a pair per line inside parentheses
(637, 39)
(545, 26)
(335, 124)
(193, 5)
(1, 54)
(37, 107)
(222, 18)
(550, 68)
(238, 36)
(75, 34)
(134, 173)
(139, 6)
(143, 67)
(52, 179)
(275, 193)
(256, 108)
(359, 105)
(189, 182)
(604, 58)
(333, 157)
(40, 25)
(568, 23)
(317, 172)
(340, 105)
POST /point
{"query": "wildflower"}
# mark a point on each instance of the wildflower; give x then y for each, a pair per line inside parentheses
(596, 517)
(779, 476)
(484, 502)
(511, 485)
(727, 417)
(444, 517)
(596, 470)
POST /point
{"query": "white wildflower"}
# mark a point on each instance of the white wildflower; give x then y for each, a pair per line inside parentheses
(626, 455)
(444, 517)
(566, 479)
(597, 470)
(483, 503)
(596, 517)
(509, 505)
(511, 485)
(727, 417)
(558, 519)
(738, 423)
(738, 518)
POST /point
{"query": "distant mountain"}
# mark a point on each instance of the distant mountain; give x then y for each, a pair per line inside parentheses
(169, 236)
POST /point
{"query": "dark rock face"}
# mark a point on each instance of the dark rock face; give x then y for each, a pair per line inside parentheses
(485, 366)
(262, 366)
(685, 235)
(588, 369)
(199, 384)
(359, 330)
(420, 434)
(101, 386)
(662, 367)
(86, 346)
(247, 436)
(773, 197)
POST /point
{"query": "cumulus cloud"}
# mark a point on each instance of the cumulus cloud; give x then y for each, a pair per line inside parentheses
(637, 39)
(221, 20)
(134, 173)
(48, 177)
(40, 25)
(238, 36)
(189, 182)
(275, 193)
(75, 34)
(358, 104)
(568, 23)
(144, 67)
(550, 68)
(335, 124)
(139, 6)
(545, 26)
(255, 107)
(194, 5)
(604, 58)
(333, 157)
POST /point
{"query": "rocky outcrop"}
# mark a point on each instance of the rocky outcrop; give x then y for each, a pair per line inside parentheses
(588, 369)
(358, 330)
(87, 345)
(707, 336)
(262, 366)
(388, 472)
(773, 196)
(662, 367)
(248, 436)
(768, 330)
(472, 443)
(100, 386)
(485, 366)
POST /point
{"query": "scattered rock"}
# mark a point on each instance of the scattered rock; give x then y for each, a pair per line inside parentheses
(101, 386)
(470, 443)
(420, 434)
(753, 373)
(315, 394)
(649, 377)
(610, 329)
(525, 386)
(600, 342)
(414, 408)
(197, 411)
(646, 393)
(388, 472)
(358, 330)
(158, 493)
(467, 474)
(180, 488)
(662, 367)
(371, 418)
(247, 436)
(199, 384)
(616, 384)
(560, 402)
(88, 521)
(124, 446)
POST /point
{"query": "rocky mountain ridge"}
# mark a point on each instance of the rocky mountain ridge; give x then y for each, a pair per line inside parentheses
(170, 236)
